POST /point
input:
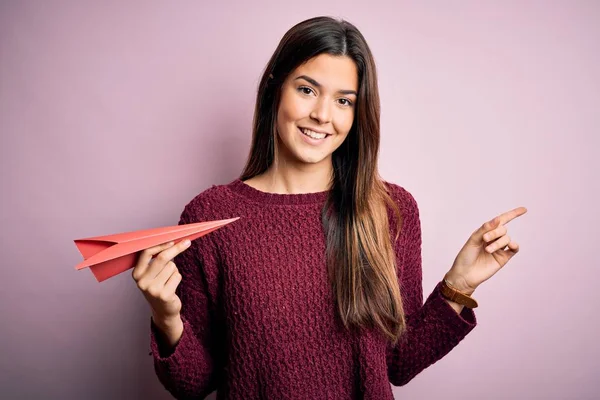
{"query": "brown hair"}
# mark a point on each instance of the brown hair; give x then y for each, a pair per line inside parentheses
(360, 256)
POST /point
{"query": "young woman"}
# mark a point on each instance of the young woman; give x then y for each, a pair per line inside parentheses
(316, 291)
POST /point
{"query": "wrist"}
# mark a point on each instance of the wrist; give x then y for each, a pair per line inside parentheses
(166, 324)
(170, 331)
(459, 283)
(455, 295)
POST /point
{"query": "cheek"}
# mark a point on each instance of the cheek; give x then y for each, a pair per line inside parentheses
(291, 108)
(344, 122)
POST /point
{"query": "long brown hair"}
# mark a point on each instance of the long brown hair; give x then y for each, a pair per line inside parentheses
(360, 256)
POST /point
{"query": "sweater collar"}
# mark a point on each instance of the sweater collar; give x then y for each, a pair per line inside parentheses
(240, 187)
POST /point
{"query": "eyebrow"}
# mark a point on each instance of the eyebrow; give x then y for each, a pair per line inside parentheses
(317, 84)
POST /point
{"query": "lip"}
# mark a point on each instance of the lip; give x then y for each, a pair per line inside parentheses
(314, 130)
(311, 141)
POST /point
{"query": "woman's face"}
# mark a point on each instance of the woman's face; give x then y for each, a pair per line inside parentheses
(316, 109)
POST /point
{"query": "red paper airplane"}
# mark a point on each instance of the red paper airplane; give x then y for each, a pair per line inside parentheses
(107, 256)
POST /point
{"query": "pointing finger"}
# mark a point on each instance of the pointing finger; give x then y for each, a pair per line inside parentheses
(502, 219)
(512, 214)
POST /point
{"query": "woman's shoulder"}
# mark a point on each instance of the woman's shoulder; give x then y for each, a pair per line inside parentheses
(212, 203)
(409, 210)
(402, 197)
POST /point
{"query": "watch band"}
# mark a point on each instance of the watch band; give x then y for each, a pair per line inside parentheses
(456, 296)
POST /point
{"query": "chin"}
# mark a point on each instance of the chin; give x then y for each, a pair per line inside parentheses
(311, 158)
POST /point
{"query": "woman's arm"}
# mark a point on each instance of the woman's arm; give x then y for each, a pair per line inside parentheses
(186, 356)
(434, 328)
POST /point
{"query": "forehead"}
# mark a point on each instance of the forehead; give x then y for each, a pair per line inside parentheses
(332, 72)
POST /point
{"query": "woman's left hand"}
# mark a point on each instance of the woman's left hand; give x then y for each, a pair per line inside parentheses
(488, 249)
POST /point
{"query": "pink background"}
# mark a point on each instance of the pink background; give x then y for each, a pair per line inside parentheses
(113, 116)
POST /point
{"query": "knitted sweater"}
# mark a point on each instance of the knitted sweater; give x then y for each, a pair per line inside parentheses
(259, 315)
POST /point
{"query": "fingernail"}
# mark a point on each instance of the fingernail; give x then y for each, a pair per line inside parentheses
(186, 243)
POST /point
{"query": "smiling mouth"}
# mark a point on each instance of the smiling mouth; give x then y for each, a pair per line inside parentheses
(312, 134)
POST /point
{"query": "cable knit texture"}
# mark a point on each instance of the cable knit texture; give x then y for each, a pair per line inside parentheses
(259, 315)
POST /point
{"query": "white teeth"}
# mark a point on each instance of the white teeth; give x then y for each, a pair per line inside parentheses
(312, 134)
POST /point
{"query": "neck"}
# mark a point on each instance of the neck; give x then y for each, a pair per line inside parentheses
(295, 179)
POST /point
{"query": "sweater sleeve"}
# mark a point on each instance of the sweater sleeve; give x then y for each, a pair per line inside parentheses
(433, 328)
(190, 369)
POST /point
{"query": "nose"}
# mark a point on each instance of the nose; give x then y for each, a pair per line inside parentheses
(321, 112)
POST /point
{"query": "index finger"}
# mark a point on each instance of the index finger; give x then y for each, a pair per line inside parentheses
(512, 214)
(146, 255)
(171, 252)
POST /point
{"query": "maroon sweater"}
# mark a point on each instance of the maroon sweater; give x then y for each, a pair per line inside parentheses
(259, 316)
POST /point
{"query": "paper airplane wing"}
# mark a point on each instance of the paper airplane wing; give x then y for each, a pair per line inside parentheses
(109, 255)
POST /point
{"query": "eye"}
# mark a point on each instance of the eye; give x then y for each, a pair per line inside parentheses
(348, 102)
(305, 90)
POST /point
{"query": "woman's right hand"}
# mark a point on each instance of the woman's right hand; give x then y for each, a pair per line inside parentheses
(158, 278)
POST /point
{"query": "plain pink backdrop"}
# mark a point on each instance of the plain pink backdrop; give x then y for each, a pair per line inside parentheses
(113, 116)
